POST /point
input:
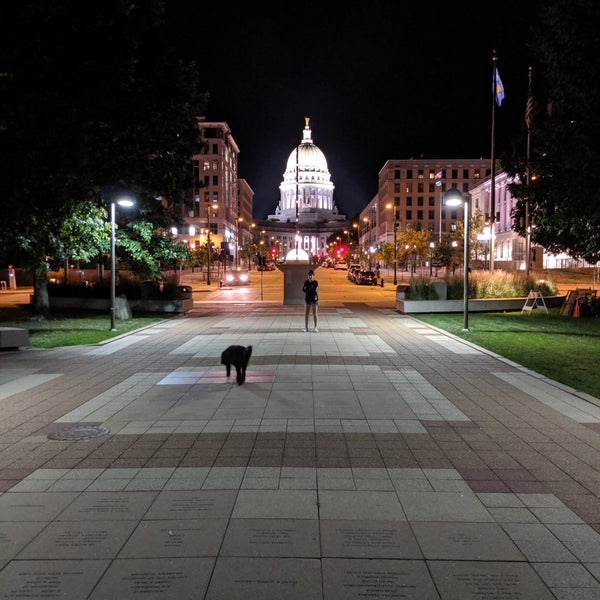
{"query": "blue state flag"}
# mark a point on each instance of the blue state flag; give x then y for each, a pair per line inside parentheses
(498, 88)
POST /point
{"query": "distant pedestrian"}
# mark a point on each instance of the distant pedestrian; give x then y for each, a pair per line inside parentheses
(311, 300)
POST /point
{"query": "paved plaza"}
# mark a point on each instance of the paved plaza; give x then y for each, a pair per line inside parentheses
(378, 458)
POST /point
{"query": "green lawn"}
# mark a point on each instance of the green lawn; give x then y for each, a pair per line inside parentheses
(71, 329)
(565, 349)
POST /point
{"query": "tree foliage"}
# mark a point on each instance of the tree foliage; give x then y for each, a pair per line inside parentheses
(559, 186)
(94, 102)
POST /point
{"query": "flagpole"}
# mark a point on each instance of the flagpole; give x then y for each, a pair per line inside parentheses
(493, 168)
(528, 116)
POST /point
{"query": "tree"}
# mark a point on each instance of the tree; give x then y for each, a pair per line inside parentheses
(94, 103)
(85, 234)
(413, 245)
(563, 195)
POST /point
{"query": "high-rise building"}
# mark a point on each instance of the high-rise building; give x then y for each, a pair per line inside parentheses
(222, 202)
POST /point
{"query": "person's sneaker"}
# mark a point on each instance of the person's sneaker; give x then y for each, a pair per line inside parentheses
(304, 329)
(316, 330)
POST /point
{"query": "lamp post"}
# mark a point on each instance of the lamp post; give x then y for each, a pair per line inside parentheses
(113, 259)
(395, 239)
(237, 242)
(455, 198)
(208, 249)
(431, 247)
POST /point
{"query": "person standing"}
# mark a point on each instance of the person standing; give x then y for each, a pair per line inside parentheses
(311, 300)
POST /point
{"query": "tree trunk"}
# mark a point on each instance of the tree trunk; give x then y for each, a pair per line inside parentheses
(41, 302)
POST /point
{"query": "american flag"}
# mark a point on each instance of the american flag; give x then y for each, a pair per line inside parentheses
(529, 105)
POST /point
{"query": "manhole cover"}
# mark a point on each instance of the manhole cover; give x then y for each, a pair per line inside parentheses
(79, 432)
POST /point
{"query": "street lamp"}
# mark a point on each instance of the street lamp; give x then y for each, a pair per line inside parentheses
(208, 240)
(237, 241)
(455, 198)
(431, 247)
(395, 236)
(126, 202)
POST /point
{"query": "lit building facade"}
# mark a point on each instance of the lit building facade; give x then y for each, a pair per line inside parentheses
(306, 215)
(411, 194)
(222, 202)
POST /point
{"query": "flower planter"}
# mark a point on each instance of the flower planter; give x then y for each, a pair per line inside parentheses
(475, 305)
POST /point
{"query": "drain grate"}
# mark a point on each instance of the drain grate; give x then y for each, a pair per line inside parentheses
(79, 432)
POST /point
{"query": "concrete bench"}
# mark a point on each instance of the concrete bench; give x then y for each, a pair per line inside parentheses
(13, 337)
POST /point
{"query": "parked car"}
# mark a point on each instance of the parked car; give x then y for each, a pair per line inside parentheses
(366, 278)
(340, 266)
(353, 270)
(237, 278)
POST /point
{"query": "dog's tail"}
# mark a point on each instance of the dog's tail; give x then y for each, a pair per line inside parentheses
(248, 353)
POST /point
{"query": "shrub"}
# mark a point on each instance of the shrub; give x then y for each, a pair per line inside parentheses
(499, 284)
(132, 289)
(421, 289)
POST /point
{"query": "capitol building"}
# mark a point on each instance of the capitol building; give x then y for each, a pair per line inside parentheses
(306, 215)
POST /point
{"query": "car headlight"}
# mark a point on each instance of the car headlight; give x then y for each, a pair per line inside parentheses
(243, 277)
(230, 278)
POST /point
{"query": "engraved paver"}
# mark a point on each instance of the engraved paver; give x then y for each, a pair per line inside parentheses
(266, 578)
(272, 537)
(355, 579)
(190, 537)
(465, 541)
(43, 579)
(155, 579)
(33, 506)
(460, 580)
(193, 504)
(368, 539)
(79, 539)
(104, 506)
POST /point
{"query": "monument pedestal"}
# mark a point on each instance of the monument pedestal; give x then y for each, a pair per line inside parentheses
(295, 273)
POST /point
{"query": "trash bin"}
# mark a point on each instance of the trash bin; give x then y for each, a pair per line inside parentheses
(402, 292)
(185, 292)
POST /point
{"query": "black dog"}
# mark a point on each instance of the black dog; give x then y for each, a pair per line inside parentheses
(238, 356)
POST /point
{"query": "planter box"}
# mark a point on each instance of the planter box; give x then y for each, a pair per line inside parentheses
(101, 304)
(475, 305)
(12, 338)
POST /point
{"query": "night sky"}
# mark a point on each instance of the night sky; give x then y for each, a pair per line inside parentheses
(379, 81)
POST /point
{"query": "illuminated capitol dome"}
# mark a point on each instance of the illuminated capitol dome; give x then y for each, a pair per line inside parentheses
(306, 189)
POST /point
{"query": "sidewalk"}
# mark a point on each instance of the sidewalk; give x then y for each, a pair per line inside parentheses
(379, 458)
